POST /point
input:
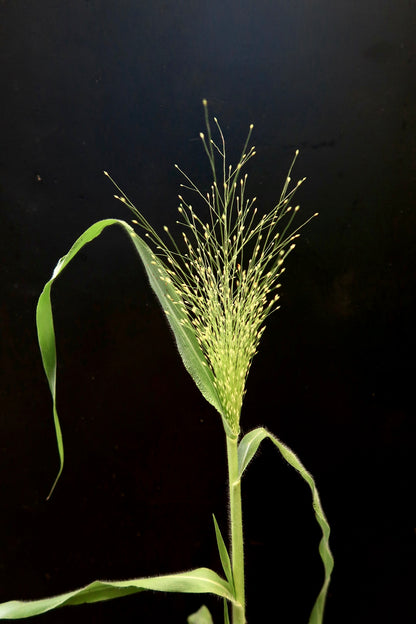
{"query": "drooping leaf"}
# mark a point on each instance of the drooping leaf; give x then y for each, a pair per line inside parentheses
(224, 556)
(246, 451)
(188, 346)
(202, 616)
(199, 581)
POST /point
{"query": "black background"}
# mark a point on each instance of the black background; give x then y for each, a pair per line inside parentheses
(93, 85)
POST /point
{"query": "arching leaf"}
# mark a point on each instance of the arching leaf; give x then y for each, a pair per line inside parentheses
(199, 581)
(246, 451)
(188, 346)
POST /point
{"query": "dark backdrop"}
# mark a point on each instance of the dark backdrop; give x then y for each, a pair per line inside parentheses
(93, 85)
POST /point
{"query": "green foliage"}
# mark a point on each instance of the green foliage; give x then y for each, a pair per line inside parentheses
(224, 556)
(187, 344)
(246, 450)
(200, 581)
(202, 616)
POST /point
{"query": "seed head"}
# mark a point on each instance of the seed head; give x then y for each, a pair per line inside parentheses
(226, 280)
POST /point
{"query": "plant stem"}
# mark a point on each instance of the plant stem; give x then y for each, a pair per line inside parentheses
(236, 521)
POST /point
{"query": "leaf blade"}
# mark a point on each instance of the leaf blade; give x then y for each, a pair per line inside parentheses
(226, 613)
(46, 330)
(247, 448)
(249, 445)
(202, 616)
(224, 556)
(198, 581)
(187, 344)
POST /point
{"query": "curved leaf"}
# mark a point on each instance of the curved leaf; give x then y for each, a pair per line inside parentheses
(199, 581)
(202, 616)
(189, 349)
(246, 451)
(188, 346)
(248, 446)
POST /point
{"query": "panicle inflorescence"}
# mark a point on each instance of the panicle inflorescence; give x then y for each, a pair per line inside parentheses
(227, 277)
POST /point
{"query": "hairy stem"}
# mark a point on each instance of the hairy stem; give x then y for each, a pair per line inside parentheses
(236, 521)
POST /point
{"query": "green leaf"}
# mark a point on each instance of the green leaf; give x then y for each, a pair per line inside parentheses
(199, 581)
(202, 616)
(189, 349)
(226, 613)
(45, 327)
(186, 341)
(248, 446)
(246, 451)
(224, 556)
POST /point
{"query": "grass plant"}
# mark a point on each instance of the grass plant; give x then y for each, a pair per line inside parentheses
(217, 287)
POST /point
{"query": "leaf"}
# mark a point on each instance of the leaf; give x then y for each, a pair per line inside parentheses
(226, 613)
(246, 451)
(224, 556)
(199, 581)
(189, 349)
(247, 448)
(46, 332)
(186, 341)
(202, 616)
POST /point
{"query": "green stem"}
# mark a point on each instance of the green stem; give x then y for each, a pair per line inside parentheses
(236, 521)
